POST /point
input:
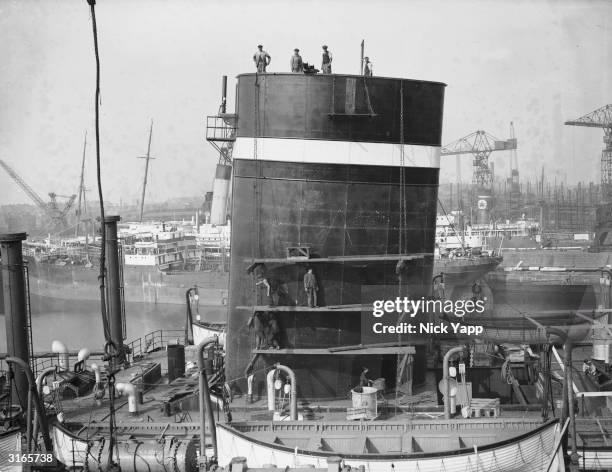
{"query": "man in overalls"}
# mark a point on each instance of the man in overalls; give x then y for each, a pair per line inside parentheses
(368, 68)
(262, 59)
(296, 63)
(311, 287)
(327, 59)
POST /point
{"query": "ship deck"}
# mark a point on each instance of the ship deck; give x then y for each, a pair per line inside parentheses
(171, 409)
(182, 394)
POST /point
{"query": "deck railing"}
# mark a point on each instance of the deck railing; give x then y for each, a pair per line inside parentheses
(154, 341)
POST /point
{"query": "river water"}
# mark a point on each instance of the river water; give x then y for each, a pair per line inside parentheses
(78, 323)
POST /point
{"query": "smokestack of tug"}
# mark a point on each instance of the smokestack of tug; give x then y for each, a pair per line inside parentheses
(224, 94)
(16, 316)
(218, 210)
(114, 289)
(223, 173)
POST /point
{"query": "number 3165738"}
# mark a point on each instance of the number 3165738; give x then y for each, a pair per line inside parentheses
(31, 458)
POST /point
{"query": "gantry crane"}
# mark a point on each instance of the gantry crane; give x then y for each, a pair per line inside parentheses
(480, 144)
(51, 209)
(514, 187)
(601, 118)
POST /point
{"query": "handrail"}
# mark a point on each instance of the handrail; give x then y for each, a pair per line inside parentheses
(155, 340)
(33, 395)
(446, 377)
(204, 401)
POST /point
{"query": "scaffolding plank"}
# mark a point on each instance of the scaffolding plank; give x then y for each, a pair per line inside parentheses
(342, 308)
(352, 115)
(360, 258)
(326, 352)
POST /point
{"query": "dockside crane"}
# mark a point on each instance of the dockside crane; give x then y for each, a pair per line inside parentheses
(601, 118)
(480, 145)
(51, 209)
(513, 181)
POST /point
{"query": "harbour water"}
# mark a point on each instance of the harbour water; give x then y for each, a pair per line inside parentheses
(78, 323)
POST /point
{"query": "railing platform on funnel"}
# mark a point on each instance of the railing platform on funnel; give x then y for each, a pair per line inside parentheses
(221, 130)
(221, 127)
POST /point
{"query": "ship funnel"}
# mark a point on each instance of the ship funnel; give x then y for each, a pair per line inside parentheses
(224, 94)
(18, 337)
(218, 210)
(114, 286)
(483, 215)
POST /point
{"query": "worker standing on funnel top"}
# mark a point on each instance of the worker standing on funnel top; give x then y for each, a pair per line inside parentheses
(311, 287)
(367, 67)
(297, 65)
(327, 59)
(262, 59)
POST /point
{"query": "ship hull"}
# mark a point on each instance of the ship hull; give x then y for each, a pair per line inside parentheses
(141, 284)
(514, 293)
(459, 271)
(569, 259)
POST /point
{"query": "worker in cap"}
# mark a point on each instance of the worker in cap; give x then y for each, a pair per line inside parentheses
(327, 60)
(311, 287)
(363, 378)
(296, 63)
(367, 67)
(262, 59)
(438, 285)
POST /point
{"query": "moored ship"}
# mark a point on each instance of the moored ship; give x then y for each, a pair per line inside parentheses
(160, 262)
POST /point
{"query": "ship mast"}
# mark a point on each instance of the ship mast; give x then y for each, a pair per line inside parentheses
(144, 183)
(81, 190)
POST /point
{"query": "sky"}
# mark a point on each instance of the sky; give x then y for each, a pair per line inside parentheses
(534, 63)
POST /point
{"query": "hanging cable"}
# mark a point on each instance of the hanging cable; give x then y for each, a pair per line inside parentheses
(254, 287)
(403, 210)
(367, 94)
(402, 224)
(102, 274)
(111, 465)
(257, 199)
